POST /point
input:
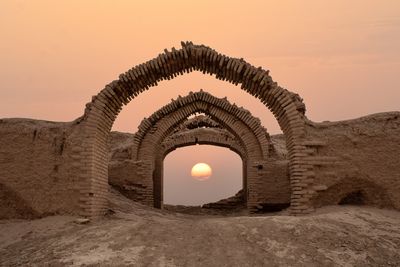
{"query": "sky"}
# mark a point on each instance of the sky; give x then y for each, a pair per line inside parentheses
(341, 57)
(181, 188)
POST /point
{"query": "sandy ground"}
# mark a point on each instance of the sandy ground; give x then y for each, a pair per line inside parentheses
(139, 236)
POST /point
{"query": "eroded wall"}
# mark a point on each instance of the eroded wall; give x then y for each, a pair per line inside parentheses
(38, 173)
(360, 156)
(357, 155)
(36, 176)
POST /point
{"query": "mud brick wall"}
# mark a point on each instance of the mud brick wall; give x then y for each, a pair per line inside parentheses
(274, 187)
(40, 166)
(36, 176)
(131, 179)
(360, 155)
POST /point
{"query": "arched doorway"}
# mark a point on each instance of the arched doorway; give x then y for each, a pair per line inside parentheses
(102, 111)
(245, 128)
(180, 187)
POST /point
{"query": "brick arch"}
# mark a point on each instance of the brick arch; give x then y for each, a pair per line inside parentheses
(246, 129)
(195, 136)
(202, 136)
(204, 121)
(101, 112)
(162, 123)
(198, 121)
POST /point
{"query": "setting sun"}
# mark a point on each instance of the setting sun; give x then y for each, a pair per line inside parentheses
(201, 171)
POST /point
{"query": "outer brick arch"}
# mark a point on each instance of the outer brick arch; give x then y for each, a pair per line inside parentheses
(100, 115)
(246, 129)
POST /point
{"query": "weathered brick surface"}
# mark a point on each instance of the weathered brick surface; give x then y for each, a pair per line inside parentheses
(36, 168)
(356, 155)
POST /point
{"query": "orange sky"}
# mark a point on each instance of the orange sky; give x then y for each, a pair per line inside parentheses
(342, 57)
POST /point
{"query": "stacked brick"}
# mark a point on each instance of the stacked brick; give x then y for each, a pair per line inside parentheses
(208, 136)
(102, 111)
(197, 122)
(178, 110)
(252, 139)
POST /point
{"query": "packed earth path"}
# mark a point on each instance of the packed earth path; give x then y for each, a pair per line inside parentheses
(136, 235)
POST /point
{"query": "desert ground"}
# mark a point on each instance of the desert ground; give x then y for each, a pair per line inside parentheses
(136, 235)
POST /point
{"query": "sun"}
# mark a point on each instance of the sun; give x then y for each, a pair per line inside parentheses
(201, 171)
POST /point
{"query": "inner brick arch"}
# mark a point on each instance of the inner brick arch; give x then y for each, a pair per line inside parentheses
(245, 139)
(195, 136)
(155, 129)
(199, 120)
(202, 133)
(221, 110)
(100, 114)
(203, 136)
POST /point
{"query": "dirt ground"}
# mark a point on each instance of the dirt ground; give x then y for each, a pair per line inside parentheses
(140, 236)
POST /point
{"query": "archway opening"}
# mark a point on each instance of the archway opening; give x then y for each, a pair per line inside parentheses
(353, 198)
(100, 115)
(180, 188)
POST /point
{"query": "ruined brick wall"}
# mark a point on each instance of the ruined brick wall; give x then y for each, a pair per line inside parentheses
(273, 186)
(359, 156)
(131, 179)
(350, 160)
(308, 159)
(101, 112)
(36, 173)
